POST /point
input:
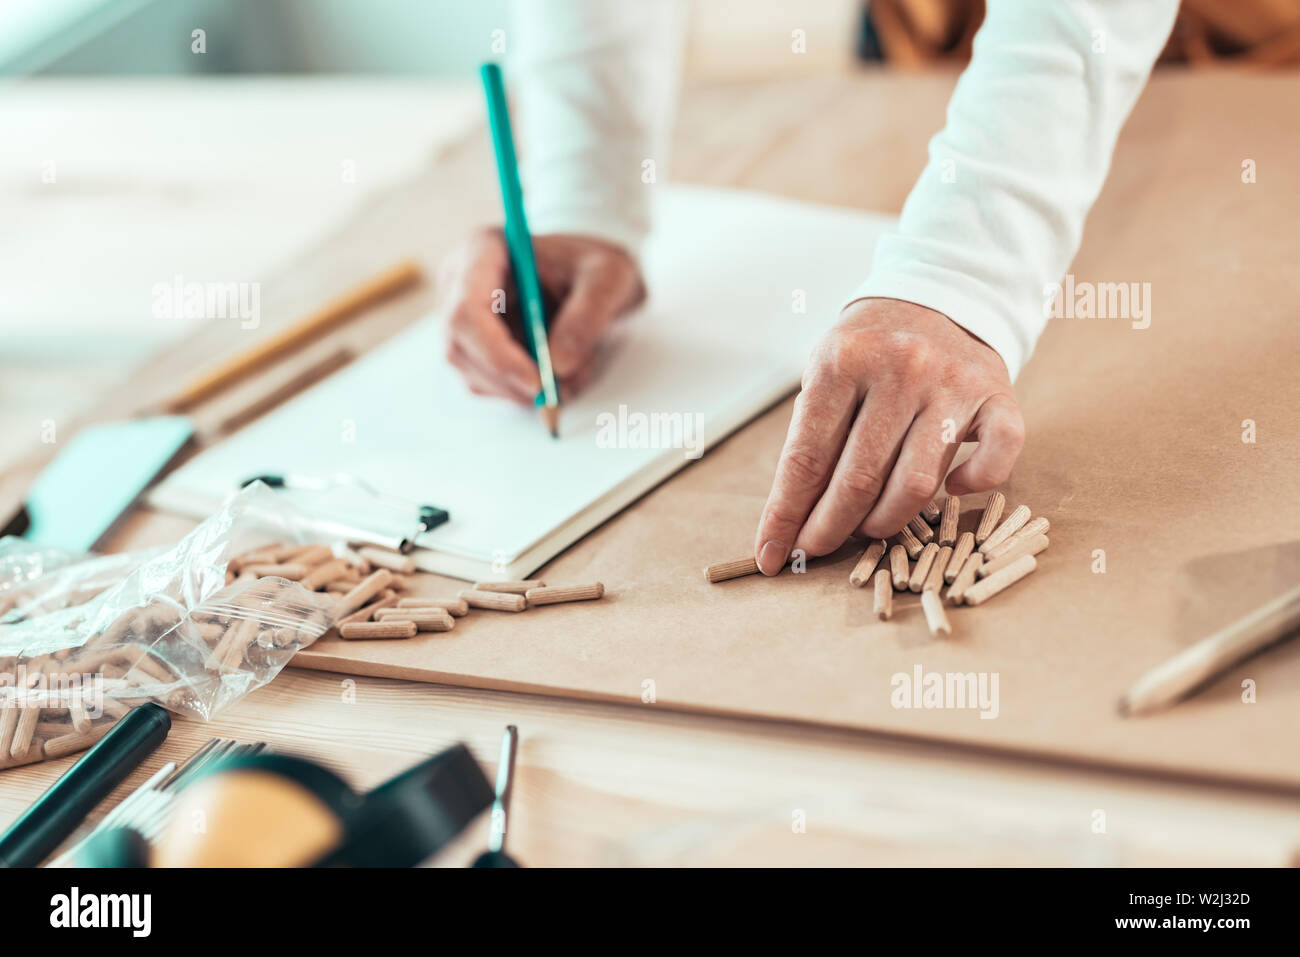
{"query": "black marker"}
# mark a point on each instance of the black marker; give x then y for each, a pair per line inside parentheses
(58, 812)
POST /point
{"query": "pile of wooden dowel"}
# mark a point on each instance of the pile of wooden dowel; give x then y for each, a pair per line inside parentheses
(63, 702)
(370, 583)
(975, 565)
(163, 652)
(929, 553)
(404, 617)
(160, 651)
(61, 725)
(355, 583)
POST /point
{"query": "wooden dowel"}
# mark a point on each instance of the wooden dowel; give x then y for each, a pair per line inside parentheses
(378, 629)
(866, 565)
(554, 594)
(323, 574)
(8, 723)
(724, 571)
(72, 743)
(494, 600)
(443, 622)
(936, 619)
(922, 568)
(1010, 525)
(898, 567)
(960, 552)
(931, 513)
(992, 515)
(934, 578)
(965, 577)
(911, 544)
(239, 635)
(234, 657)
(396, 611)
(366, 589)
(921, 529)
(385, 599)
(884, 597)
(1034, 527)
(23, 732)
(948, 521)
(430, 619)
(985, 589)
(1028, 546)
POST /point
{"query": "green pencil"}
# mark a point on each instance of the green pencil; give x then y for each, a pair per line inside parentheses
(520, 244)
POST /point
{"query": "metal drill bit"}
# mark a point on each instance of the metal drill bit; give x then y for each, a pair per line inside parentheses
(495, 855)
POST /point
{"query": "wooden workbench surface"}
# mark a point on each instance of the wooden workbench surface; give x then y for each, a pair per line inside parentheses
(610, 784)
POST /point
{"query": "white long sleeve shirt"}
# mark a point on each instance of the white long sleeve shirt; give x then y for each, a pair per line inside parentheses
(996, 215)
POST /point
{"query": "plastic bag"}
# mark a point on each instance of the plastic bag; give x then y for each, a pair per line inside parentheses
(179, 629)
(35, 579)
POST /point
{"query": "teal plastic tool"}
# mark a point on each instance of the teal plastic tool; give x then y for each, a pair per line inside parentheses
(96, 478)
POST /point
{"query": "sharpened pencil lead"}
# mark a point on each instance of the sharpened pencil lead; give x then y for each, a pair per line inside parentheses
(551, 419)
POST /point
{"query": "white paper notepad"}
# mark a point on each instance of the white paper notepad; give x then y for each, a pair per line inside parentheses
(741, 287)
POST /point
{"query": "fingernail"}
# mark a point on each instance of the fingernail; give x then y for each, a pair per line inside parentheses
(771, 558)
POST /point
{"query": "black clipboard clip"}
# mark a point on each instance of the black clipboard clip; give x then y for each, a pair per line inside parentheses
(428, 517)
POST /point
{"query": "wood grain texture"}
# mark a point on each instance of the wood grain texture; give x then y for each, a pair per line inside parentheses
(866, 565)
(990, 517)
(965, 578)
(725, 571)
(960, 552)
(898, 567)
(948, 520)
(883, 599)
(601, 784)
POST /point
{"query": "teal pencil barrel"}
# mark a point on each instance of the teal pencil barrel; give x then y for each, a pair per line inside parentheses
(519, 241)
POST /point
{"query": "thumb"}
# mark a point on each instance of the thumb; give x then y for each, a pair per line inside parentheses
(1000, 431)
(583, 317)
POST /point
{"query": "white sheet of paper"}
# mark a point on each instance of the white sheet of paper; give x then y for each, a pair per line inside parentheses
(741, 287)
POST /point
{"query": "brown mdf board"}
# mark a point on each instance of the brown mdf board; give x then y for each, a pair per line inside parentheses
(1135, 448)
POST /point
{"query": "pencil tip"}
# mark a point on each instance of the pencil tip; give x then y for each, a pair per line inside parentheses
(1125, 709)
(551, 419)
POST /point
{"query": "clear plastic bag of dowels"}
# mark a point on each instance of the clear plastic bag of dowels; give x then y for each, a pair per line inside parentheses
(179, 626)
(38, 579)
